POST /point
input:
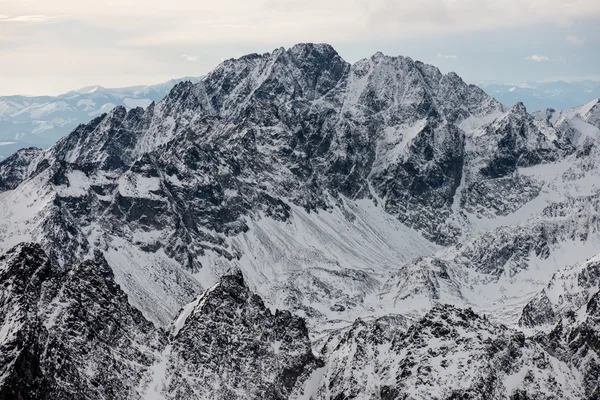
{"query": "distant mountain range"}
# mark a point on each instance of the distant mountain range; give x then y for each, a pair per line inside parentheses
(538, 96)
(39, 121)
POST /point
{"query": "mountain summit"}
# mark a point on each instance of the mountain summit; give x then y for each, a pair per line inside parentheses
(375, 202)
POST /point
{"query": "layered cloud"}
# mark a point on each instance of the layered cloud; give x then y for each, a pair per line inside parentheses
(166, 39)
(24, 18)
(200, 21)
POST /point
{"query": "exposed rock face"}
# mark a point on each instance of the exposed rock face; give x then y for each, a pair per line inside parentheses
(40, 121)
(287, 126)
(450, 353)
(577, 342)
(26, 279)
(181, 181)
(330, 186)
(497, 271)
(589, 113)
(231, 346)
(16, 168)
(569, 290)
(493, 185)
(71, 336)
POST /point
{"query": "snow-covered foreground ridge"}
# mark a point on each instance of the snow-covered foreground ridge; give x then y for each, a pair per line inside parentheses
(377, 203)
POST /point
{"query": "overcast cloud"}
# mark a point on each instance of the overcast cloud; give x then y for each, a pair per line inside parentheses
(54, 46)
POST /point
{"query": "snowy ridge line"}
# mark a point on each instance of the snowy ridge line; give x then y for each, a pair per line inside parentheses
(364, 208)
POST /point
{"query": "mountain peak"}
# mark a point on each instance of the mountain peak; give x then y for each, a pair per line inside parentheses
(89, 89)
(231, 336)
(314, 181)
(589, 108)
(519, 108)
(322, 48)
(453, 76)
(377, 55)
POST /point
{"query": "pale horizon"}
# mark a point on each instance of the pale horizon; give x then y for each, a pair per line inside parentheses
(54, 47)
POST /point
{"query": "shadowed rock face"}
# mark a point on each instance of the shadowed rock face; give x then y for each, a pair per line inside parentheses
(454, 354)
(40, 121)
(568, 291)
(297, 126)
(70, 335)
(230, 333)
(15, 168)
(133, 209)
(185, 177)
(26, 277)
(73, 335)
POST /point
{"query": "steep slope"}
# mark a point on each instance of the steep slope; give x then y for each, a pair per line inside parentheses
(500, 271)
(228, 345)
(23, 271)
(69, 335)
(17, 168)
(545, 219)
(332, 187)
(581, 125)
(178, 193)
(565, 297)
(448, 354)
(576, 342)
(258, 135)
(493, 185)
(73, 335)
(589, 112)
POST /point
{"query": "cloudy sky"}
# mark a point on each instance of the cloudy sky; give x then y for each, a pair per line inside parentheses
(52, 46)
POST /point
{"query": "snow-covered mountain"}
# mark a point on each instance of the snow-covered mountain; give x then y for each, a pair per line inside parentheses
(452, 353)
(69, 333)
(295, 226)
(39, 121)
(579, 124)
